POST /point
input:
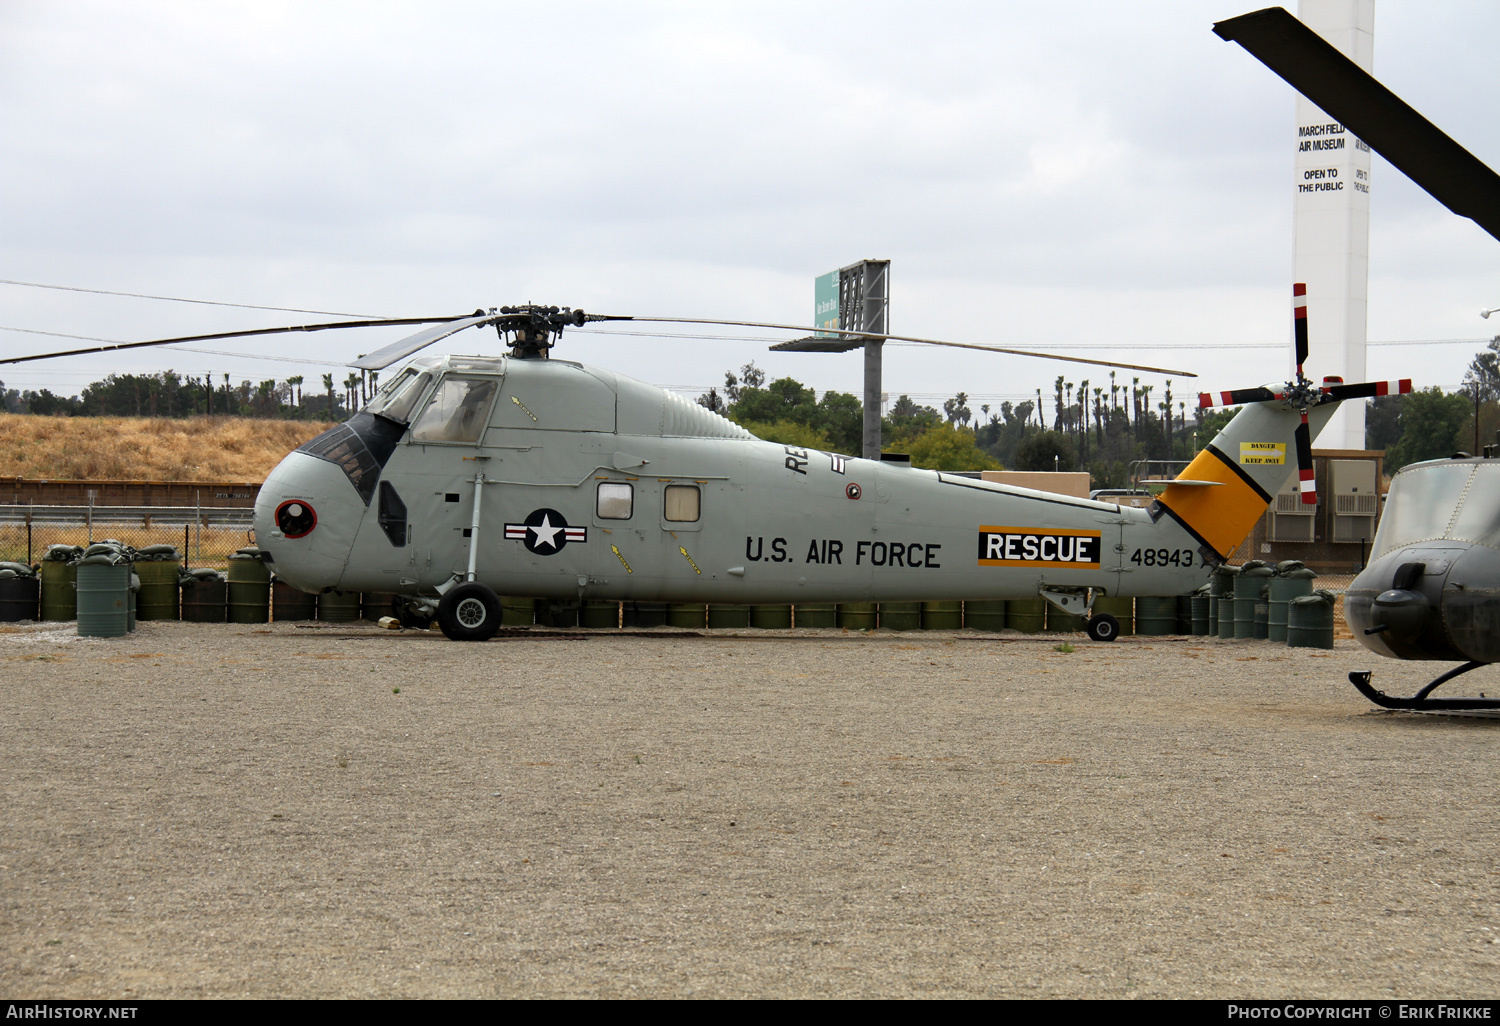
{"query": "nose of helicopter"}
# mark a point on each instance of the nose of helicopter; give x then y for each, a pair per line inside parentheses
(306, 517)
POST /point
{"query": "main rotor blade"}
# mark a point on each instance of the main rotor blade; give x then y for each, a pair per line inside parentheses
(1315, 68)
(908, 338)
(383, 358)
(226, 334)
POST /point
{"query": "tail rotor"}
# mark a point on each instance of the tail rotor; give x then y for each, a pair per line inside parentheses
(1302, 395)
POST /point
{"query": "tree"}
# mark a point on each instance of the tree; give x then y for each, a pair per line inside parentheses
(710, 401)
(1431, 422)
(751, 376)
(1485, 371)
(1045, 450)
(782, 399)
(1383, 421)
(944, 447)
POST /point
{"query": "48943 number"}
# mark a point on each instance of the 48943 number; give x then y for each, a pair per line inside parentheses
(1162, 557)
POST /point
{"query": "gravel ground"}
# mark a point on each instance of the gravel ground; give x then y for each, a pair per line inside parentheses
(207, 811)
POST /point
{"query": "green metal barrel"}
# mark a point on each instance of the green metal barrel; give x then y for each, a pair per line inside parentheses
(1200, 614)
(1283, 591)
(692, 615)
(517, 612)
(1249, 592)
(333, 606)
(1310, 622)
(205, 601)
(157, 599)
(1122, 609)
(557, 613)
(985, 614)
(818, 615)
(375, 604)
(1029, 616)
(249, 589)
(599, 614)
(20, 599)
(103, 600)
(857, 616)
(901, 616)
(942, 616)
(1184, 615)
(726, 616)
(771, 618)
(59, 597)
(1155, 615)
(292, 604)
(645, 614)
(1226, 615)
(1059, 622)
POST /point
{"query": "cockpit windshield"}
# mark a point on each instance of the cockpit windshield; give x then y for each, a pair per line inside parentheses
(1447, 500)
(396, 399)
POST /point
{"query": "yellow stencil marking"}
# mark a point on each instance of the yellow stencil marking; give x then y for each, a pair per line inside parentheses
(690, 560)
(616, 550)
(523, 406)
(1252, 453)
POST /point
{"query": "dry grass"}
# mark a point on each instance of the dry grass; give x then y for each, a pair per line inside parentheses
(147, 448)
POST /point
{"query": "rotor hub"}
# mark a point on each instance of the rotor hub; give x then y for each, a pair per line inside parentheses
(531, 331)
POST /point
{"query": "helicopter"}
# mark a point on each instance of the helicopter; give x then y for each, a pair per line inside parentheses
(467, 477)
(1432, 587)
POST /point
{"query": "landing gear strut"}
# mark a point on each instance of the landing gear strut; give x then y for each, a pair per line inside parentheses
(1420, 702)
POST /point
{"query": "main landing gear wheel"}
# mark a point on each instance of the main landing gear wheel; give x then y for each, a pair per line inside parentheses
(1103, 627)
(469, 612)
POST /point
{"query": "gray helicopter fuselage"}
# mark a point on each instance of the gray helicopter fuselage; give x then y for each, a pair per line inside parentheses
(593, 485)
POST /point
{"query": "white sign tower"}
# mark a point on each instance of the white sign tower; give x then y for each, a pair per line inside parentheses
(1332, 221)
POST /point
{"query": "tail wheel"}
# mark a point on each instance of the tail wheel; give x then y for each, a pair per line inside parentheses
(1103, 627)
(469, 612)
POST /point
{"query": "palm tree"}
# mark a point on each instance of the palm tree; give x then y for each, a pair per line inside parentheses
(328, 384)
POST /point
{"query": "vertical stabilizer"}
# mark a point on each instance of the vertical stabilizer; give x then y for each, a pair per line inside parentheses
(1229, 485)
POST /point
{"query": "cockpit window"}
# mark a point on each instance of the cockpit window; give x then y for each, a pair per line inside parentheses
(457, 411)
(1421, 505)
(397, 398)
(1478, 518)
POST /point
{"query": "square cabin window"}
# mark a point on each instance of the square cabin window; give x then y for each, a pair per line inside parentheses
(682, 503)
(616, 500)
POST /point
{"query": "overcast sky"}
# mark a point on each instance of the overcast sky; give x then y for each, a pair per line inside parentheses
(1040, 175)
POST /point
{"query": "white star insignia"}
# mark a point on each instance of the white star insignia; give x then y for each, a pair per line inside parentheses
(546, 529)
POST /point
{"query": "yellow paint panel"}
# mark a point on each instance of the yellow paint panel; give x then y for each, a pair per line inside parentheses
(1222, 516)
(1254, 453)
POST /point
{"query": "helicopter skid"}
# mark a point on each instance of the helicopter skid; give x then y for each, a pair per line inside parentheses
(1420, 702)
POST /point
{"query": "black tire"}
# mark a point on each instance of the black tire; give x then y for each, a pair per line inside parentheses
(1103, 627)
(469, 612)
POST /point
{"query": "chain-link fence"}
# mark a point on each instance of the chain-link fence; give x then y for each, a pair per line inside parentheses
(205, 537)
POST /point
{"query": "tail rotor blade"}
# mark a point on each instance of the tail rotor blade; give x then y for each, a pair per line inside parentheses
(1309, 487)
(1299, 324)
(1366, 390)
(1235, 397)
